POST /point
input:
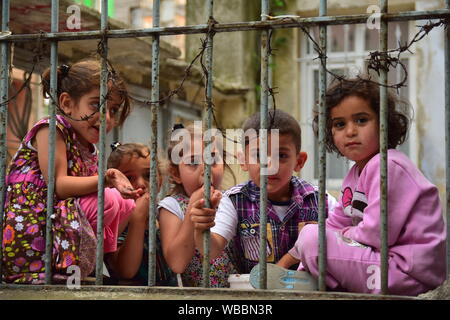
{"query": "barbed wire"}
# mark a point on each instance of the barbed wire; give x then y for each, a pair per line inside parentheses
(377, 61)
(38, 52)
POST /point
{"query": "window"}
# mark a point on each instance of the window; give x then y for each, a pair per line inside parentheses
(347, 52)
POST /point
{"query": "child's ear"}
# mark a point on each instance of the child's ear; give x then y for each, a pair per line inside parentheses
(65, 103)
(241, 159)
(175, 174)
(301, 159)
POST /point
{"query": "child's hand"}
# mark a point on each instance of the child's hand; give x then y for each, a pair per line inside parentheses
(116, 179)
(215, 196)
(141, 212)
(203, 218)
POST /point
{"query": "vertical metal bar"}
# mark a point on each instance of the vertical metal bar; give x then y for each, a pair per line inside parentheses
(102, 147)
(270, 73)
(51, 143)
(208, 121)
(153, 149)
(322, 151)
(383, 151)
(4, 86)
(447, 136)
(264, 110)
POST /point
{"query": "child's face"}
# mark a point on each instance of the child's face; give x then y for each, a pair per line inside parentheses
(191, 169)
(355, 130)
(137, 170)
(289, 160)
(89, 130)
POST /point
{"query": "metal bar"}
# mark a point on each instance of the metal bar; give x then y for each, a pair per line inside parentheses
(322, 151)
(230, 27)
(102, 147)
(208, 144)
(4, 86)
(51, 144)
(263, 135)
(383, 151)
(153, 150)
(447, 136)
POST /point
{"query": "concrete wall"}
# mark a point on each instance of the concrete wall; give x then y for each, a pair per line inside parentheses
(236, 54)
(430, 111)
(311, 7)
(233, 53)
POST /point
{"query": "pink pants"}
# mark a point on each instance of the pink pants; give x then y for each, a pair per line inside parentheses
(350, 265)
(117, 210)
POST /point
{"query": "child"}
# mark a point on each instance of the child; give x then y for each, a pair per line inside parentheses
(186, 200)
(292, 202)
(416, 230)
(76, 181)
(130, 261)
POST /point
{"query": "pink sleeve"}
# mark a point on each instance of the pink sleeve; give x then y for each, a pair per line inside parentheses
(337, 219)
(402, 195)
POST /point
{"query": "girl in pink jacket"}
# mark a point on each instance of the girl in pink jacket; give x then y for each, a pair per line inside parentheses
(416, 229)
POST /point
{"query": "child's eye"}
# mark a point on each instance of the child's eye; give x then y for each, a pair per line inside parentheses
(95, 106)
(283, 155)
(338, 124)
(361, 120)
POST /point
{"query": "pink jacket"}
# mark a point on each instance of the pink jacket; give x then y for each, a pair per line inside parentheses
(416, 229)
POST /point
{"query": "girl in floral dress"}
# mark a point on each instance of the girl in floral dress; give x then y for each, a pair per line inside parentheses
(176, 227)
(74, 218)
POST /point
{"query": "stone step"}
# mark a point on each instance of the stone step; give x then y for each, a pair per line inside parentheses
(107, 292)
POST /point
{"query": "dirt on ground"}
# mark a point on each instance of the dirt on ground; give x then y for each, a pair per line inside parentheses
(440, 293)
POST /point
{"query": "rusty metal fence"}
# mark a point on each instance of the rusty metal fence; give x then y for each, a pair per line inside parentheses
(265, 25)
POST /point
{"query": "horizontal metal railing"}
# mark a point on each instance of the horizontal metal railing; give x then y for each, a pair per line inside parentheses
(267, 23)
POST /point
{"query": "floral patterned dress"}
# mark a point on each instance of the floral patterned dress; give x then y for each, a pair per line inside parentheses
(74, 241)
(221, 266)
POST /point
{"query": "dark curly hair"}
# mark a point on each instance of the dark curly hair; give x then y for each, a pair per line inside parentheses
(278, 120)
(398, 110)
(80, 78)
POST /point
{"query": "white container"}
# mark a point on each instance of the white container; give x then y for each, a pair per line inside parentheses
(240, 281)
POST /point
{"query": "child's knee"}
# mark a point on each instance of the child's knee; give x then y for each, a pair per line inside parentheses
(111, 199)
(309, 241)
(111, 204)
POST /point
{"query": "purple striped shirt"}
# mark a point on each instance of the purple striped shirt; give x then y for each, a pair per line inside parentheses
(281, 235)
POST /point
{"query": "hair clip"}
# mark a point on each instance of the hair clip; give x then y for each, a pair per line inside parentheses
(177, 126)
(115, 145)
(64, 69)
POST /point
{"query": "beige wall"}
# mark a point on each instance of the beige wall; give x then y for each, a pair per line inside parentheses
(311, 7)
(235, 55)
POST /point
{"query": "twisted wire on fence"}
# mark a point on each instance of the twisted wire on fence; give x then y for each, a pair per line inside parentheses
(376, 61)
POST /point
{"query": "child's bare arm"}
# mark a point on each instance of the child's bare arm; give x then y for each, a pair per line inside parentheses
(217, 243)
(204, 220)
(70, 186)
(177, 240)
(65, 186)
(287, 261)
(128, 258)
